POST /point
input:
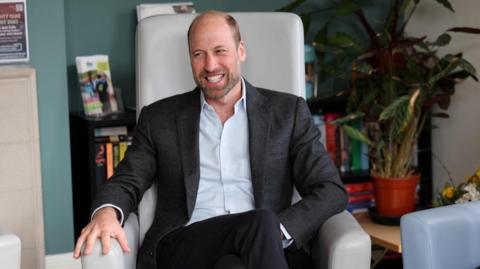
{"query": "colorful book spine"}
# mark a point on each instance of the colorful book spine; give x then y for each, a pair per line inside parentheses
(109, 150)
(331, 135)
(359, 187)
(122, 146)
(100, 161)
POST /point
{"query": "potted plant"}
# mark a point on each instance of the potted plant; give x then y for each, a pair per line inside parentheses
(393, 81)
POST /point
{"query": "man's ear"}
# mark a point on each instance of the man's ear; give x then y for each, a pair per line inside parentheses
(242, 51)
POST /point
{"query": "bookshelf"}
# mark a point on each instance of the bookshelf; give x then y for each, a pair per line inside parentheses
(85, 181)
(338, 103)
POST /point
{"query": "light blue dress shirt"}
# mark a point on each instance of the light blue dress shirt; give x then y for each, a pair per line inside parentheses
(225, 182)
(225, 185)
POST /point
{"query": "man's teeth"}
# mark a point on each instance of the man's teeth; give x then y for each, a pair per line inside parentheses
(214, 79)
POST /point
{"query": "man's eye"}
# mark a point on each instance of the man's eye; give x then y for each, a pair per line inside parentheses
(221, 51)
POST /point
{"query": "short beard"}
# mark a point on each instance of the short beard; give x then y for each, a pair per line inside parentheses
(232, 81)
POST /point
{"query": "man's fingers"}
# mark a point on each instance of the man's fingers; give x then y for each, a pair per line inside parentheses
(90, 242)
(105, 243)
(80, 241)
(122, 240)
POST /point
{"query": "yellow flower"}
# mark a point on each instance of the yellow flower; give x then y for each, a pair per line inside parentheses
(477, 173)
(448, 192)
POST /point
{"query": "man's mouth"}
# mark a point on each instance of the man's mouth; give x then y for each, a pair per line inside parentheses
(214, 79)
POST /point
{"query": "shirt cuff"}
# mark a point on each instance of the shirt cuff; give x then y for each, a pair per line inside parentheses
(287, 240)
(110, 205)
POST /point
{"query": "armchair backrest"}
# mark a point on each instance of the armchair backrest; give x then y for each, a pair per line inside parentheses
(275, 60)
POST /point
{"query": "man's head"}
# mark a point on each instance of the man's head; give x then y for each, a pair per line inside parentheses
(216, 51)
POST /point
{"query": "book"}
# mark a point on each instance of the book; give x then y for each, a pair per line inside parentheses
(116, 155)
(360, 206)
(360, 187)
(96, 87)
(148, 10)
(108, 131)
(122, 147)
(100, 171)
(109, 159)
(361, 197)
(332, 136)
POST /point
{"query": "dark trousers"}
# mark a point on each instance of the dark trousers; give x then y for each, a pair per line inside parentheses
(246, 240)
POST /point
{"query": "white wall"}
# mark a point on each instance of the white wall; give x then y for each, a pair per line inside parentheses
(456, 141)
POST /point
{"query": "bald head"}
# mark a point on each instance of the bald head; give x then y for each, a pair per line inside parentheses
(215, 15)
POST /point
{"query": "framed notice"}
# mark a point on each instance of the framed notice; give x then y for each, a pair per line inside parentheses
(13, 31)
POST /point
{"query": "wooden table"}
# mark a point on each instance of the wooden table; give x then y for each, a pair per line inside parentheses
(385, 236)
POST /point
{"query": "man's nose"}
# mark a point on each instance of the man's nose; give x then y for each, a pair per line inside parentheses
(210, 63)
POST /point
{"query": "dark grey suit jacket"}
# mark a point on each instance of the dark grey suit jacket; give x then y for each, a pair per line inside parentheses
(284, 151)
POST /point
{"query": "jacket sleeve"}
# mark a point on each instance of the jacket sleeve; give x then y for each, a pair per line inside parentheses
(134, 174)
(315, 177)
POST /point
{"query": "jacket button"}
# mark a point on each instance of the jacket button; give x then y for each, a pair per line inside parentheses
(150, 253)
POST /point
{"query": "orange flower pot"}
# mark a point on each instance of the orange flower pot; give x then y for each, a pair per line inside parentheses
(395, 197)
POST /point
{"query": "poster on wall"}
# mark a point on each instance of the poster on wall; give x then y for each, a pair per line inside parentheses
(13, 31)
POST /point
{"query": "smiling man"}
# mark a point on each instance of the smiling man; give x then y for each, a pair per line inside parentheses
(225, 158)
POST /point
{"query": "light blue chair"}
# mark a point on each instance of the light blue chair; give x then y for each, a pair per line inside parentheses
(442, 238)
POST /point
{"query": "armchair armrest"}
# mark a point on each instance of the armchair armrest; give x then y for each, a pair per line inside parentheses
(10, 249)
(341, 244)
(116, 258)
(442, 237)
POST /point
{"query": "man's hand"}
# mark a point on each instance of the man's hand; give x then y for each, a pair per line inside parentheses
(103, 226)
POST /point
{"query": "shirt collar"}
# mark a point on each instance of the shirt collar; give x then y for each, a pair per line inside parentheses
(242, 101)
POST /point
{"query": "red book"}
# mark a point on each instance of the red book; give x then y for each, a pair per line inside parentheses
(331, 135)
(359, 187)
(361, 197)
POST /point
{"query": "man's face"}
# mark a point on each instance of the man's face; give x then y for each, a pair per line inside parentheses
(215, 57)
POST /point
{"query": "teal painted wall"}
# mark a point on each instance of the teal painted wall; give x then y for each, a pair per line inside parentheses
(48, 56)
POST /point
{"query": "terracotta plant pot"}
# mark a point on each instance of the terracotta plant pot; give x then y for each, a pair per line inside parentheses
(395, 197)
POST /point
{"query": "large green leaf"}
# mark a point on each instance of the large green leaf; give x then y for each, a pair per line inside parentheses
(344, 40)
(356, 134)
(400, 113)
(446, 4)
(348, 118)
(453, 63)
(346, 7)
(395, 108)
(467, 66)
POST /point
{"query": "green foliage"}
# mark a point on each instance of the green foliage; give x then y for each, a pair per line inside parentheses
(393, 79)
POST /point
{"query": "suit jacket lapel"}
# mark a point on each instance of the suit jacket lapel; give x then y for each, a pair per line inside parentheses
(259, 115)
(187, 121)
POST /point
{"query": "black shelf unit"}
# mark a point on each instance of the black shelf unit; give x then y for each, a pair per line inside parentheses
(82, 146)
(338, 104)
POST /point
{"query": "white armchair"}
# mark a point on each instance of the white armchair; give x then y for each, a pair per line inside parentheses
(274, 43)
(10, 249)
